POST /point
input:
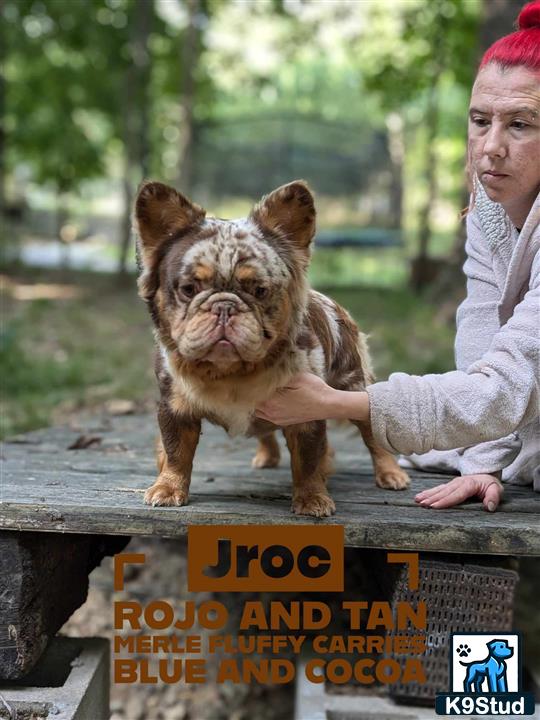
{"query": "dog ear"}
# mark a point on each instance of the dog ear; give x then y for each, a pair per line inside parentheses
(161, 213)
(289, 212)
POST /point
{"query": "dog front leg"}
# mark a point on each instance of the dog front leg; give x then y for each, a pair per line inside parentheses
(388, 474)
(179, 439)
(310, 467)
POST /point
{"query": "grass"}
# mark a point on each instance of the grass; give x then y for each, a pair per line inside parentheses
(63, 355)
(74, 341)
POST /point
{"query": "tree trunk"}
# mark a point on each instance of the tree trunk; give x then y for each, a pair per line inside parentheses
(396, 148)
(136, 119)
(125, 245)
(498, 19)
(422, 267)
(189, 58)
(2, 116)
(61, 220)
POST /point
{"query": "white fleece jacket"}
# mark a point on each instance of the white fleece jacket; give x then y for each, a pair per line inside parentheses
(489, 408)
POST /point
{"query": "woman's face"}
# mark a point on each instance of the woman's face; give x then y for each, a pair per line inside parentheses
(504, 136)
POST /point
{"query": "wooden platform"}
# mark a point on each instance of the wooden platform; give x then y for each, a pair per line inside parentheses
(47, 487)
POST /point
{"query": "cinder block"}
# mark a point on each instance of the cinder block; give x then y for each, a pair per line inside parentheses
(313, 702)
(70, 682)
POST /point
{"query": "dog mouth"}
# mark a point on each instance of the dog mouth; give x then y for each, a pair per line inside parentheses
(223, 350)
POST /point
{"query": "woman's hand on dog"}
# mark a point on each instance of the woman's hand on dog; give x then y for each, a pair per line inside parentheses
(303, 399)
(485, 487)
(306, 398)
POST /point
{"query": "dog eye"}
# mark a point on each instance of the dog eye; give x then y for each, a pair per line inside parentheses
(261, 292)
(188, 290)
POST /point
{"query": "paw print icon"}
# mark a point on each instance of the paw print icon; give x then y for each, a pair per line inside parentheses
(463, 650)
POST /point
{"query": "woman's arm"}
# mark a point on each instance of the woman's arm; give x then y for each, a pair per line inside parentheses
(477, 324)
(306, 397)
(492, 398)
(411, 414)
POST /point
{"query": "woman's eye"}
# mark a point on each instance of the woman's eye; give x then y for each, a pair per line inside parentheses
(261, 292)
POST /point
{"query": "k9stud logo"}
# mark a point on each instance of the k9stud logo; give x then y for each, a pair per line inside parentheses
(485, 662)
(268, 557)
(485, 676)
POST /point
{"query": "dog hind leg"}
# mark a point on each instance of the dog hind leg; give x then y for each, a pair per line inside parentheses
(267, 454)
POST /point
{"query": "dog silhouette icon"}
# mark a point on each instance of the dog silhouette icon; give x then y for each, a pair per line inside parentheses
(492, 669)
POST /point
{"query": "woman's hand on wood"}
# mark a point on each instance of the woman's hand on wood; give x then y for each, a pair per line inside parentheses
(485, 487)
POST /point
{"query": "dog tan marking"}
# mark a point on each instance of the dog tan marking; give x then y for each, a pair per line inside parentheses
(203, 272)
(246, 272)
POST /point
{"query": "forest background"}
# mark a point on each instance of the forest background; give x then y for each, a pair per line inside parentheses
(226, 99)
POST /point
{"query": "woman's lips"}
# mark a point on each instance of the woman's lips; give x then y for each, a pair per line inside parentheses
(492, 178)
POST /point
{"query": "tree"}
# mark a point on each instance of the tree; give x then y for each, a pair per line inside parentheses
(135, 114)
(436, 46)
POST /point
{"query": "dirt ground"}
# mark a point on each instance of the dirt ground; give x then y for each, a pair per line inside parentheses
(163, 576)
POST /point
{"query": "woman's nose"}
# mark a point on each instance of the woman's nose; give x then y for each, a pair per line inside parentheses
(495, 143)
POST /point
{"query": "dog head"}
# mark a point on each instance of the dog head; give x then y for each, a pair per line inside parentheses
(225, 295)
(500, 649)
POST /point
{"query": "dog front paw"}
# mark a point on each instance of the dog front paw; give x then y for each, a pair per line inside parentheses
(394, 479)
(166, 492)
(316, 504)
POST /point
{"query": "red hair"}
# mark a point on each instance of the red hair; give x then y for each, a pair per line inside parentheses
(521, 47)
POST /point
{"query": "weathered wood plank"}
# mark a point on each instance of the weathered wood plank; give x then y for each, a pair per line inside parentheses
(49, 488)
(367, 527)
(41, 584)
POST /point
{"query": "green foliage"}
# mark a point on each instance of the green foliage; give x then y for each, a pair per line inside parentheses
(73, 98)
(103, 89)
(66, 355)
(69, 355)
(405, 333)
(433, 36)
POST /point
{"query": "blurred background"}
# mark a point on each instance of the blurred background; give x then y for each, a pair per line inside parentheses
(226, 99)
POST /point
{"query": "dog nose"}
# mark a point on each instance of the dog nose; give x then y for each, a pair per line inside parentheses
(224, 309)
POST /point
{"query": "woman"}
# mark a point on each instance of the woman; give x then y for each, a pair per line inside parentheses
(489, 408)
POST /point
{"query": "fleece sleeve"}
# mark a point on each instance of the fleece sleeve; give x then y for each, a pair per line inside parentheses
(490, 399)
(477, 324)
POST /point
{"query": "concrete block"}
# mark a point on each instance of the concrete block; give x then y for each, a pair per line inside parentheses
(70, 682)
(313, 702)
